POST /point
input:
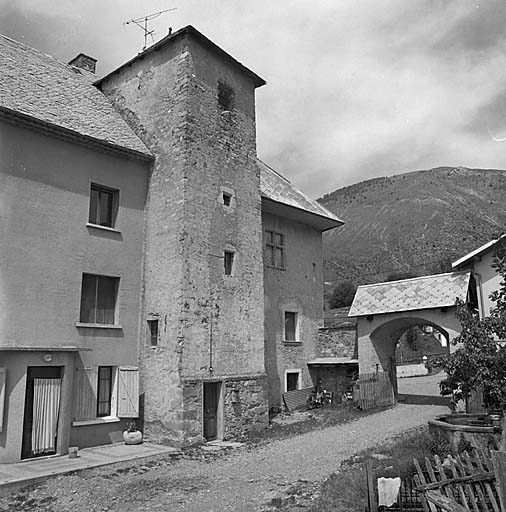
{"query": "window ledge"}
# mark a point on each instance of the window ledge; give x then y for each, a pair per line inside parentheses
(99, 326)
(292, 342)
(105, 228)
(96, 421)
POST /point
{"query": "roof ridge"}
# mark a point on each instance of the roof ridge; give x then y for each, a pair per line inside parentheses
(414, 278)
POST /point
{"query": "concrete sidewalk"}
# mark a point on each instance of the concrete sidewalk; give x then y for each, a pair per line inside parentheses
(21, 474)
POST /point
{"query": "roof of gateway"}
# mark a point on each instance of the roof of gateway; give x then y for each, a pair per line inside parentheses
(277, 188)
(41, 87)
(410, 294)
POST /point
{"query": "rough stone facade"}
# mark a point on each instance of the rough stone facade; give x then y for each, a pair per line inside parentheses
(338, 342)
(210, 324)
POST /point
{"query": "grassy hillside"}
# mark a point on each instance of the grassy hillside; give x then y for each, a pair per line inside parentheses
(418, 221)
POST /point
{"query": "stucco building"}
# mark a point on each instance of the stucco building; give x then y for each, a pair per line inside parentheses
(159, 247)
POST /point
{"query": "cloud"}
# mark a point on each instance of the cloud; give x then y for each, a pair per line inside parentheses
(356, 88)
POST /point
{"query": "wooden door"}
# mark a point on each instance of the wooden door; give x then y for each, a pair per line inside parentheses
(35, 373)
(211, 403)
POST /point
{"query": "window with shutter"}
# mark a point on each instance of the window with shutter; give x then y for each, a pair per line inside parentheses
(85, 386)
(128, 392)
(2, 397)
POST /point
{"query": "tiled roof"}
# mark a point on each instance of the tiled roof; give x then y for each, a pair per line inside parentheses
(41, 87)
(410, 294)
(277, 188)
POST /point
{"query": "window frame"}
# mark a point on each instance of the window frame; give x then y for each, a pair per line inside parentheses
(228, 270)
(296, 326)
(151, 322)
(271, 247)
(110, 383)
(94, 217)
(92, 303)
(297, 371)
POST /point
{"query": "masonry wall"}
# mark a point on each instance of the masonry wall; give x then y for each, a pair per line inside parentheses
(298, 288)
(337, 342)
(46, 246)
(211, 324)
(487, 281)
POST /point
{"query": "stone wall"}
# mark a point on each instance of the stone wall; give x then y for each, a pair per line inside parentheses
(246, 407)
(337, 342)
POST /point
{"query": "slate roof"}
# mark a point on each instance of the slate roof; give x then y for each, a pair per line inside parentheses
(410, 294)
(277, 188)
(43, 88)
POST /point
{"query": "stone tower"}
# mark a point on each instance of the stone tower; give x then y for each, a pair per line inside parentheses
(202, 349)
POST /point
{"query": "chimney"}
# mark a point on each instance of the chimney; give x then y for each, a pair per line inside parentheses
(82, 61)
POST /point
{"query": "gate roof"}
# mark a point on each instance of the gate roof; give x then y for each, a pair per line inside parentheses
(425, 292)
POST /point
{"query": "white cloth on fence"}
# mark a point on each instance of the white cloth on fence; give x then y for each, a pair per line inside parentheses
(388, 490)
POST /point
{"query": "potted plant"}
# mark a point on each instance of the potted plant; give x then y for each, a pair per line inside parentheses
(132, 435)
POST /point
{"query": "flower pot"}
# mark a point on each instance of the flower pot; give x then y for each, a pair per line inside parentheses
(132, 437)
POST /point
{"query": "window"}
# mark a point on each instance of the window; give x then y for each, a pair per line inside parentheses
(225, 96)
(275, 249)
(104, 391)
(228, 261)
(292, 378)
(227, 199)
(98, 299)
(103, 206)
(291, 326)
(153, 331)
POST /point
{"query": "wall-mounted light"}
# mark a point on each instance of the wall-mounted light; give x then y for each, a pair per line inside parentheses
(48, 358)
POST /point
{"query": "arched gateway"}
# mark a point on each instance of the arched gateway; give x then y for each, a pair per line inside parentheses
(385, 311)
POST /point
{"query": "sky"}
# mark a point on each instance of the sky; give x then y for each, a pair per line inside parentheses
(356, 89)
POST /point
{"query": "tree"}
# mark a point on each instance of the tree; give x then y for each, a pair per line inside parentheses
(343, 294)
(480, 360)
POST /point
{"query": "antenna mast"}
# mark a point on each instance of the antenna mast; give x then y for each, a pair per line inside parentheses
(142, 23)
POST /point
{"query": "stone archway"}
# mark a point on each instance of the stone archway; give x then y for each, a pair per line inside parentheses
(378, 335)
(385, 310)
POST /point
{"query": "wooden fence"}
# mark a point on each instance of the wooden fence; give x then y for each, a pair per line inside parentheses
(373, 390)
(460, 483)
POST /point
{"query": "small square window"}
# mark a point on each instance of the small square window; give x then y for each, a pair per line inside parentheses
(104, 391)
(227, 199)
(153, 332)
(291, 326)
(103, 206)
(98, 299)
(228, 261)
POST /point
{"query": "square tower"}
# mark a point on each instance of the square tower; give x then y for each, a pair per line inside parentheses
(202, 351)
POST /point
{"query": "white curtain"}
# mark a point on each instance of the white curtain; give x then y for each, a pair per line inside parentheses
(46, 406)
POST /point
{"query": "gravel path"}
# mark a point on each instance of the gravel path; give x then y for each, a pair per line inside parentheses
(248, 480)
(244, 479)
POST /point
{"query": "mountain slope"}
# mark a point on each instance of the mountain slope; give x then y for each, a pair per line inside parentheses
(418, 221)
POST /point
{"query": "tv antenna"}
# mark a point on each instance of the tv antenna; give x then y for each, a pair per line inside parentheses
(142, 23)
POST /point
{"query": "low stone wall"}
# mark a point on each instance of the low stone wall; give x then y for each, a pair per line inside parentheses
(411, 370)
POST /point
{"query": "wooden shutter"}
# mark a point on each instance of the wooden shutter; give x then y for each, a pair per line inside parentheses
(2, 397)
(128, 392)
(85, 394)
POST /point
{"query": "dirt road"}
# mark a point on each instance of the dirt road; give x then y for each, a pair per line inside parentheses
(244, 480)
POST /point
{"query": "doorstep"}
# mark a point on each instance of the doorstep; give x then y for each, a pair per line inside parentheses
(21, 474)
